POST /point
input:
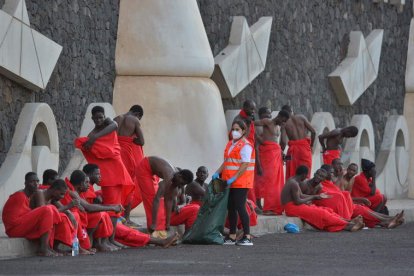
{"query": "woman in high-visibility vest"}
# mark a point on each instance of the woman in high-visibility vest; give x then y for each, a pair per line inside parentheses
(238, 170)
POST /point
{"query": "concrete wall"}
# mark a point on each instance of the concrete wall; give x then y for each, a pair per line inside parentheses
(84, 74)
(309, 39)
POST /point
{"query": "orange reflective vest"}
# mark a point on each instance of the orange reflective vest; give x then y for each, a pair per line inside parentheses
(232, 163)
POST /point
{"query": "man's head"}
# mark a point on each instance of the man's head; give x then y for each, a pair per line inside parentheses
(352, 170)
(349, 132)
(320, 175)
(202, 174)
(265, 113)
(329, 169)
(49, 176)
(249, 107)
(31, 181)
(79, 180)
(98, 115)
(337, 165)
(302, 172)
(182, 178)
(58, 189)
(282, 117)
(288, 109)
(137, 110)
(93, 172)
(368, 168)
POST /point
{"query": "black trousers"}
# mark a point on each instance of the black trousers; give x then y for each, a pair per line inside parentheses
(237, 205)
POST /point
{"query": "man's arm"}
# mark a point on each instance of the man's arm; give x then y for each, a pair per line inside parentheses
(168, 205)
(328, 135)
(93, 208)
(110, 127)
(373, 186)
(310, 128)
(139, 140)
(156, 204)
(299, 198)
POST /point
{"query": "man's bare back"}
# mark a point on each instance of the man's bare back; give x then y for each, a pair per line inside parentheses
(161, 168)
(297, 127)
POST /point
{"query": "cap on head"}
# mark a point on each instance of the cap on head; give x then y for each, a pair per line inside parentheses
(366, 165)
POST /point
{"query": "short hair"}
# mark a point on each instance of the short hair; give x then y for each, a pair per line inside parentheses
(58, 184)
(327, 168)
(336, 160)
(49, 174)
(353, 164)
(302, 170)
(263, 110)
(241, 124)
(77, 177)
(248, 103)
(89, 168)
(353, 130)
(287, 108)
(137, 109)
(187, 176)
(97, 109)
(28, 175)
(202, 167)
(284, 114)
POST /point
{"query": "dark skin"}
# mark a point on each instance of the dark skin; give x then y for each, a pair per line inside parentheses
(372, 173)
(103, 126)
(198, 187)
(333, 140)
(250, 109)
(30, 188)
(297, 128)
(348, 179)
(167, 188)
(95, 178)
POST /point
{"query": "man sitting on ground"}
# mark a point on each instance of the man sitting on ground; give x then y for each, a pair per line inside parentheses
(197, 189)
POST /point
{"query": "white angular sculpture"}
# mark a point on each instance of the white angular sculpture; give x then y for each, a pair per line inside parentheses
(361, 146)
(35, 147)
(164, 63)
(230, 115)
(245, 56)
(26, 56)
(322, 122)
(393, 159)
(77, 160)
(359, 69)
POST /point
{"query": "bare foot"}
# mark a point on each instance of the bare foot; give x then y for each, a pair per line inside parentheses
(109, 245)
(114, 242)
(393, 222)
(357, 219)
(47, 253)
(400, 218)
(83, 251)
(357, 226)
(170, 240)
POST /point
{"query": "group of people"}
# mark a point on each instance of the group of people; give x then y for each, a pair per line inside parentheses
(59, 210)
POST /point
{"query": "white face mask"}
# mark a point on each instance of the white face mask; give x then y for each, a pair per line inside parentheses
(236, 135)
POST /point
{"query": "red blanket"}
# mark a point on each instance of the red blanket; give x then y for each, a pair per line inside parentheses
(330, 155)
(106, 153)
(148, 184)
(130, 237)
(338, 202)
(132, 154)
(361, 189)
(186, 216)
(319, 217)
(272, 180)
(301, 154)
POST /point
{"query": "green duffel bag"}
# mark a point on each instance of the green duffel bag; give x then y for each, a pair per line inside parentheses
(209, 224)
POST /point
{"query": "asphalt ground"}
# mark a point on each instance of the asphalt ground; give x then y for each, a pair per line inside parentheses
(368, 252)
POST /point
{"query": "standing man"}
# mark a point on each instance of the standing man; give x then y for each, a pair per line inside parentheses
(101, 147)
(300, 146)
(331, 142)
(131, 140)
(247, 116)
(271, 164)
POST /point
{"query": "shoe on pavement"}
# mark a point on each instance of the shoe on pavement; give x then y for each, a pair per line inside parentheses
(244, 241)
(229, 241)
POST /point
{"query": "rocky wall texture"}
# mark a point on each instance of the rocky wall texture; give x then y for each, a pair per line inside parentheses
(85, 71)
(308, 41)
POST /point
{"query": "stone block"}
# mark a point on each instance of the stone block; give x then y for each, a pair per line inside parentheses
(361, 146)
(409, 70)
(359, 69)
(322, 122)
(245, 56)
(393, 159)
(162, 38)
(186, 124)
(77, 161)
(409, 115)
(35, 146)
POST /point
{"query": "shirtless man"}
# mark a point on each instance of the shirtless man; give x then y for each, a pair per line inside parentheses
(331, 142)
(349, 176)
(271, 163)
(49, 176)
(131, 140)
(197, 189)
(300, 147)
(164, 193)
(298, 204)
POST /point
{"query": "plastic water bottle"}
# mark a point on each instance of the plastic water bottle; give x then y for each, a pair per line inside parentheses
(75, 246)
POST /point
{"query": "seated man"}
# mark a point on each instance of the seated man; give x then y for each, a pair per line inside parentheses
(364, 186)
(297, 204)
(197, 189)
(331, 142)
(49, 176)
(22, 222)
(349, 177)
(101, 147)
(156, 195)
